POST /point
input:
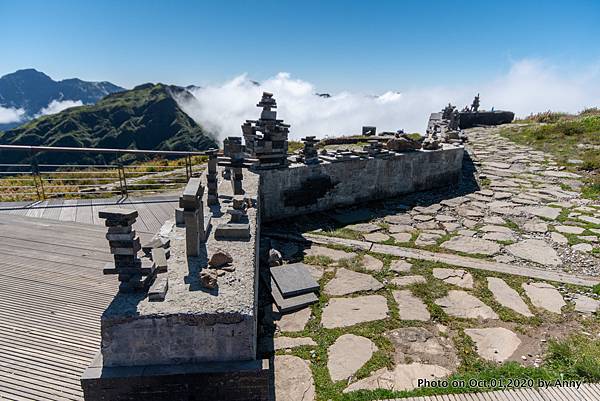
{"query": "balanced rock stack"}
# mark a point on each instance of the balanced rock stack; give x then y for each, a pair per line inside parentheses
(133, 273)
(309, 153)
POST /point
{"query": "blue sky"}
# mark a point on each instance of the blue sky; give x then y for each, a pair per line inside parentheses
(366, 46)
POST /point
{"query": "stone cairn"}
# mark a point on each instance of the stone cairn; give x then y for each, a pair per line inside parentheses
(376, 149)
(125, 245)
(235, 160)
(309, 154)
(196, 226)
(211, 178)
(238, 227)
(266, 139)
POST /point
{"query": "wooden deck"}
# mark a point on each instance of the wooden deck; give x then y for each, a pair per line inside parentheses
(53, 295)
(153, 210)
(587, 392)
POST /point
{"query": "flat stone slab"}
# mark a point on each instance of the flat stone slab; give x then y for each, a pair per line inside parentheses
(535, 250)
(400, 266)
(347, 282)
(403, 281)
(295, 321)
(456, 277)
(292, 342)
(343, 312)
(464, 305)
(586, 304)
(348, 354)
(589, 219)
(559, 238)
(570, 229)
(535, 227)
(499, 237)
(333, 254)
(293, 379)
(294, 279)
(411, 307)
(371, 263)
(376, 237)
(398, 219)
(507, 296)
(544, 211)
(401, 228)
(495, 344)
(471, 245)
(490, 228)
(402, 237)
(545, 296)
(403, 377)
(582, 247)
(364, 227)
(423, 345)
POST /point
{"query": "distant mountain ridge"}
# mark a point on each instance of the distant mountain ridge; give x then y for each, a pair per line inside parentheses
(32, 90)
(146, 117)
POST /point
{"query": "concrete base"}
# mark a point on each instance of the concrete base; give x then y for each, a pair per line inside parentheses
(211, 381)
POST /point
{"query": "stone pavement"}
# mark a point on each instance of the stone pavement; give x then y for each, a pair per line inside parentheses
(427, 279)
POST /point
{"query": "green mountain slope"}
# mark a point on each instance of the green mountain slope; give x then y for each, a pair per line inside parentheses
(146, 117)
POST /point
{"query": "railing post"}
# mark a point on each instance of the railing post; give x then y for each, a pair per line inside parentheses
(122, 179)
(188, 167)
(35, 172)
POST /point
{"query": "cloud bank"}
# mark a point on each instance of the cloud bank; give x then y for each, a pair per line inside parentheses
(10, 115)
(56, 106)
(529, 86)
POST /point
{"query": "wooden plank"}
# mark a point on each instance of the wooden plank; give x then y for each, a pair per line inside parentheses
(84, 211)
(69, 211)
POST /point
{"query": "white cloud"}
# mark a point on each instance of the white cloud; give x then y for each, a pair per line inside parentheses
(528, 86)
(56, 106)
(10, 115)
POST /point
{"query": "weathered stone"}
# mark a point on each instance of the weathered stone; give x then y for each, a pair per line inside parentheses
(291, 322)
(348, 354)
(402, 219)
(403, 281)
(348, 281)
(545, 296)
(559, 238)
(208, 278)
(424, 345)
(293, 279)
(343, 312)
(589, 219)
(332, 254)
(402, 237)
(535, 227)
(376, 237)
(292, 342)
(403, 144)
(371, 263)
(464, 305)
(401, 228)
(293, 379)
(403, 377)
(456, 277)
(275, 258)
(499, 237)
(400, 266)
(364, 227)
(586, 304)
(496, 229)
(569, 229)
(495, 344)
(471, 245)
(544, 211)
(220, 258)
(535, 250)
(582, 247)
(423, 217)
(507, 296)
(410, 307)
(494, 220)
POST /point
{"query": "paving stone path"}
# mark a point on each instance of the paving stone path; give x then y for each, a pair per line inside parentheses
(402, 377)
(423, 344)
(456, 277)
(495, 344)
(348, 281)
(507, 296)
(348, 354)
(545, 296)
(410, 307)
(342, 312)
(293, 379)
(464, 305)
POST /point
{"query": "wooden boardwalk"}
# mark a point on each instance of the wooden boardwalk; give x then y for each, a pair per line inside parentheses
(53, 294)
(587, 392)
(153, 210)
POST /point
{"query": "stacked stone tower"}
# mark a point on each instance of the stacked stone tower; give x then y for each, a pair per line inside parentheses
(266, 139)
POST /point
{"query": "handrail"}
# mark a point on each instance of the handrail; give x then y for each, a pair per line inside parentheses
(36, 149)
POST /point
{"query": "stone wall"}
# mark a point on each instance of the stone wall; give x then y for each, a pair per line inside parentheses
(304, 189)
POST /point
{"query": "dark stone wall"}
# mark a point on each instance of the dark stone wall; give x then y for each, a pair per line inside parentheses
(469, 119)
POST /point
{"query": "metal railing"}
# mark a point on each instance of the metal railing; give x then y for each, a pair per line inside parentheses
(119, 172)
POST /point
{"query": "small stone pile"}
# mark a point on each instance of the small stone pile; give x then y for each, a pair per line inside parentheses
(375, 149)
(309, 154)
(211, 178)
(125, 245)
